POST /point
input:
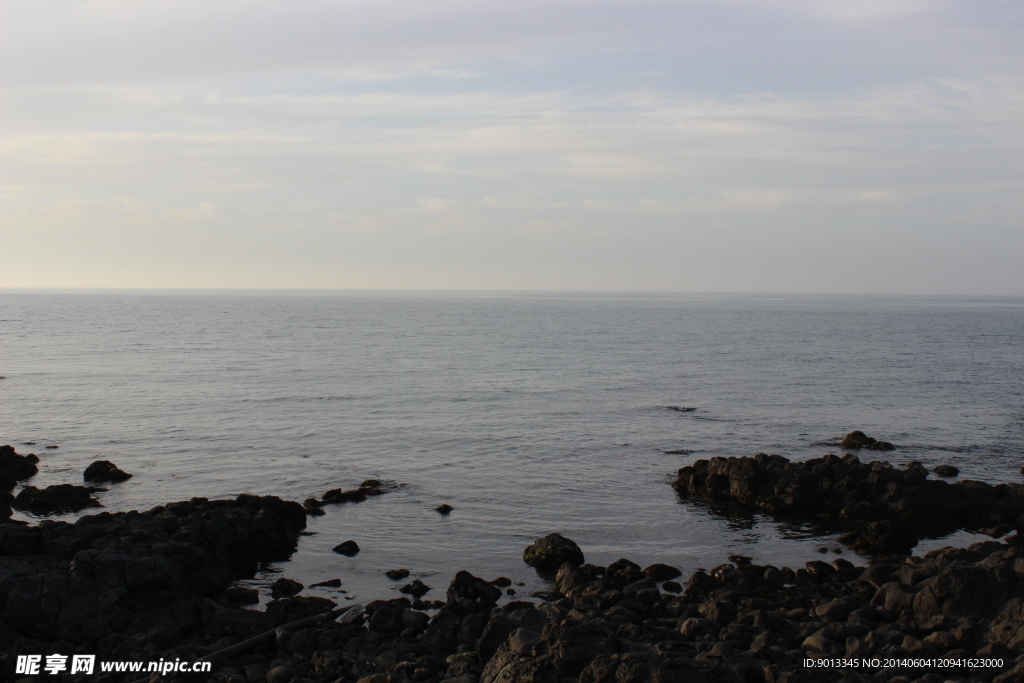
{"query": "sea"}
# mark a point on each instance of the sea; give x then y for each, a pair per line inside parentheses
(528, 413)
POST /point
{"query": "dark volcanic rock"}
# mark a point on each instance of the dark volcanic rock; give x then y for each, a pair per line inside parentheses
(137, 588)
(946, 471)
(662, 572)
(348, 548)
(55, 499)
(415, 588)
(887, 508)
(285, 588)
(103, 470)
(468, 594)
(16, 466)
(106, 572)
(858, 439)
(551, 552)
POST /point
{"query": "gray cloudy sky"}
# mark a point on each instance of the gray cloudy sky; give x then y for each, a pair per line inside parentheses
(679, 145)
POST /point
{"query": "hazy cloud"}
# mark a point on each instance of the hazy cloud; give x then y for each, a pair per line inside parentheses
(727, 145)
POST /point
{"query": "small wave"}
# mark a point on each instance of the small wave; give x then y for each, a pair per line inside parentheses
(681, 409)
(679, 451)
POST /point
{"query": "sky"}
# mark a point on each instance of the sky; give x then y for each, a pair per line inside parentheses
(818, 146)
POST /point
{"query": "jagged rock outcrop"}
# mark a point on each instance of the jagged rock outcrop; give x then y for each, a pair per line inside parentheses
(888, 509)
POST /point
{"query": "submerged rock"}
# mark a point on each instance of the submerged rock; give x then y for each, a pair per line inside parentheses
(103, 471)
(551, 552)
(445, 509)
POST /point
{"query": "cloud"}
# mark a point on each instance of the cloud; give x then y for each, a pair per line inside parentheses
(400, 134)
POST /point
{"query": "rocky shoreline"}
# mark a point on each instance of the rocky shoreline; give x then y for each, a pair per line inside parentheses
(146, 586)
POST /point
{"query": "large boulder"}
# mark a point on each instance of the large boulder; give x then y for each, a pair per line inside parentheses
(16, 466)
(469, 594)
(551, 552)
(103, 471)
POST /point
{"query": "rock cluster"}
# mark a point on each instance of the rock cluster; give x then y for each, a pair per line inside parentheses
(13, 468)
(90, 583)
(886, 509)
(858, 439)
(369, 488)
(737, 623)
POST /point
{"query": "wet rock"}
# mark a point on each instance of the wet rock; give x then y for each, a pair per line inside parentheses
(946, 470)
(348, 548)
(17, 466)
(858, 439)
(55, 499)
(889, 509)
(468, 594)
(445, 509)
(285, 588)
(238, 595)
(330, 583)
(102, 471)
(551, 552)
(397, 574)
(662, 572)
(415, 588)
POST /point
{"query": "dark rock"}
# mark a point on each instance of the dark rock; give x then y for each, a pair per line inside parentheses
(238, 595)
(280, 674)
(240, 623)
(16, 466)
(889, 509)
(551, 552)
(623, 572)
(287, 610)
(662, 572)
(103, 471)
(444, 509)
(501, 582)
(285, 588)
(416, 589)
(55, 499)
(858, 439)
(468, 594)
(397, 574)
(348, 548)
(946, 471)
(330, 583)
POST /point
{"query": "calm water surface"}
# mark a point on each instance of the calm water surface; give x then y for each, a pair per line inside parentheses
(528, 414)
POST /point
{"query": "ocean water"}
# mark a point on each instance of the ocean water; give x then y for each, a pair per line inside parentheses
(527, 413)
